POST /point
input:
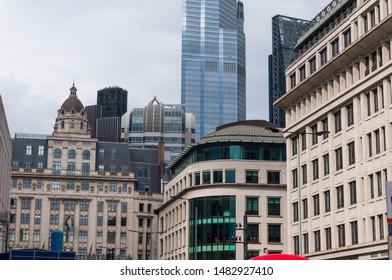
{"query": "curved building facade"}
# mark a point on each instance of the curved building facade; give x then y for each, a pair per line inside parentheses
(227, 196)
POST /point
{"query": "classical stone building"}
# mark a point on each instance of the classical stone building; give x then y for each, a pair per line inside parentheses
(227, 198)
(340, 83)
(71, 182)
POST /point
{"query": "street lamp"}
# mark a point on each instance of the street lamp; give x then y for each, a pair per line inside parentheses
(296, 133)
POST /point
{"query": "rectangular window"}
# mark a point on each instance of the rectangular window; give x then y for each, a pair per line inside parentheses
(54, 219)
(293, 80)
(317, 241)
(379, 183)
(304, 174)
(295, 178)
(328, 238)
(294, 142)
(314, 135)
(29, 150)
(339, 159)
(218, 176)
(41, 150)
(273, 206)
(38, 203)
(381, 226)
(83, 220)
(305, 208)
(371, 181)
(71, 168)
(327, 201)
(274, 233)
(197, 178)
(273, 177)
(56, 168)
(84, 205)
(312, 65)
(323, 56)
(338, 121)
(341, 235)
(295, 211)
(252, 206)
(296, 245)
(55, 185)
(54, 204)
(315, 165)
(351, 153)
(347, 38)
(83, 236)
(370, 146)
(24, 218)
(25, 203)
(206, 177)
(353, 192)
(326, 164)
(335, 47)
(85, 169)
(316, 205)
(354, 232)
(252, 176)
(24, 235)
(350, 114)
(302, 73)
(377, 140)
(306, 243)
(340, 197)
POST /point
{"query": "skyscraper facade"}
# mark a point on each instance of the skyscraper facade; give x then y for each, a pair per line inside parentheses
(285, 33)
(213, 63)
(113, 101)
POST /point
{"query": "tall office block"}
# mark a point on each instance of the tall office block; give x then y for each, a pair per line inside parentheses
(113, 101)
(340, 82)
(213, 63)
(285, 33)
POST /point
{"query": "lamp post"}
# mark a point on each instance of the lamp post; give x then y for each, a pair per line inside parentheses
(299, 210)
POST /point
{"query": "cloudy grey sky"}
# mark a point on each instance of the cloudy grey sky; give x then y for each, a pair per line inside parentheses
(45, 44)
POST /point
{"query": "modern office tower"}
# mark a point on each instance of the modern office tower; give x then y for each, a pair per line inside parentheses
(5, 177)
(213, 63)
(94, 112)
(108, 129)
(84, 188)
(340, 82)
(113, 100)
(285, 33)
(157, 123)
(233, 176)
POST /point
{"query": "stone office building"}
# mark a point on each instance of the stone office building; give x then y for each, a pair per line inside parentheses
(74, 183)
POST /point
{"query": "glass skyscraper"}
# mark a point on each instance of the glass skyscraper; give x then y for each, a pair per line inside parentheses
(285, 34)
(213, 63)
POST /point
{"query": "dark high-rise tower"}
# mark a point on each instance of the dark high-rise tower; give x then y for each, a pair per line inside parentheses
(285, 33)
(213, 70)
(113, 101)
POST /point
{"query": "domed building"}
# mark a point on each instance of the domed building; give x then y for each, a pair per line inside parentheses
(73, 183)
(227, 198)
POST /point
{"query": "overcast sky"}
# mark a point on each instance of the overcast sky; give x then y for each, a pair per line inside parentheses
(45, 44)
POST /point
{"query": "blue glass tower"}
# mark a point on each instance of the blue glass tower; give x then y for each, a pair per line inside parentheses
(213, 70)
(285, 34)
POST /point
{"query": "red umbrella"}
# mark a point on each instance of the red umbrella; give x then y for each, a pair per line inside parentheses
(279, 257)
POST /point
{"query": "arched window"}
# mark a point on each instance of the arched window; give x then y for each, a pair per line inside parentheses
(71, 154)
(57, 153)
(72, 125)
(81, 125)
(86, 154)
(62, 124)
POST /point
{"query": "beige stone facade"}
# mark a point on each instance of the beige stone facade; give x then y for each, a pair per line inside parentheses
(340, 82)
